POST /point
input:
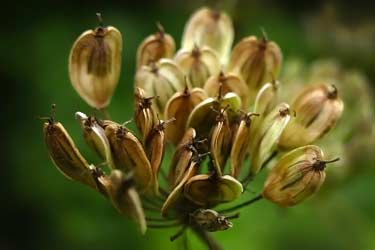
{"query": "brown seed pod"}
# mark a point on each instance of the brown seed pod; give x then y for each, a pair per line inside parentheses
(267, 136)
(198, 64)
(65, 154)
(241, 144)
(161, 79)
(95, 137)
(179, 107)
(125, 198)
(318, 107)
(211, 190)
(182, 157)
(155, 150)
(129, 155)
(144, 113)
(296, 176)
(212, 28)
(176, 195)
(220, 142)
(227, 83)
(256, 61)
(154, 47)
(95, 65)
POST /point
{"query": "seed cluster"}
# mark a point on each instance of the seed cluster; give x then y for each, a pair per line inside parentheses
(217, 107)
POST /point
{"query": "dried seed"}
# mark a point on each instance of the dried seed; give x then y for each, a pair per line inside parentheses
(144, 113)
(267, 136)
(129, 155)
(95, 65)
(318, 108)
(154, 47)
(256, 61)
(212, 28)
(161, 79)
(227, 83)
(211, 190)
(241, 144)
(179, 107)
(125, 198)
(95, 137)
(296, 176)
(198, 64)
(65, 154)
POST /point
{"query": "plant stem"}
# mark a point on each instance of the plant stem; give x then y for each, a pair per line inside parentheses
(207, 238)
(244, 204)
(105, 113)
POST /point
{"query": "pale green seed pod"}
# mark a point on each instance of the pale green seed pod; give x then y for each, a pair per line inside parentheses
(95, 137)
(256, 61)
(267, 98)
(227, 83)
(318, 107)
(125, 198)
(203, 116)
(210, 220)
(220, 142)
(211, 28)
(162, 80)
(296, 176)
(154, 47)
(65, 154)
(95, 65)
(266, 137)
(210, 190)
(179, 107)
(198, 64)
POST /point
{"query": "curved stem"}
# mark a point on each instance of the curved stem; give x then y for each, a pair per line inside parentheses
(241, 205)
(105, 113)
(207, 238)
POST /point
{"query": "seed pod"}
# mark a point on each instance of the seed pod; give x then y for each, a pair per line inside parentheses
(103, 182)
(182, 157)
(198, 64)
(240, 147)
(296, 176)
(154, 47)
(125, 198)
(227, 83)
(65, 154)
(179, 107)
(129, 155)
(211, 190)
(318, 108)
(266, 99)
(212, 28)
(267, 136)
(95, 65)
(161, 79)
(220, 144)
(256, 61)
(144, 113)
(155, 150)
(203, 116)
(210, 220)
(176, 195)
(95, 137)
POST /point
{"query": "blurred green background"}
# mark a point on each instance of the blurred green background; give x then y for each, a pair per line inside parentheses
(40, 209)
